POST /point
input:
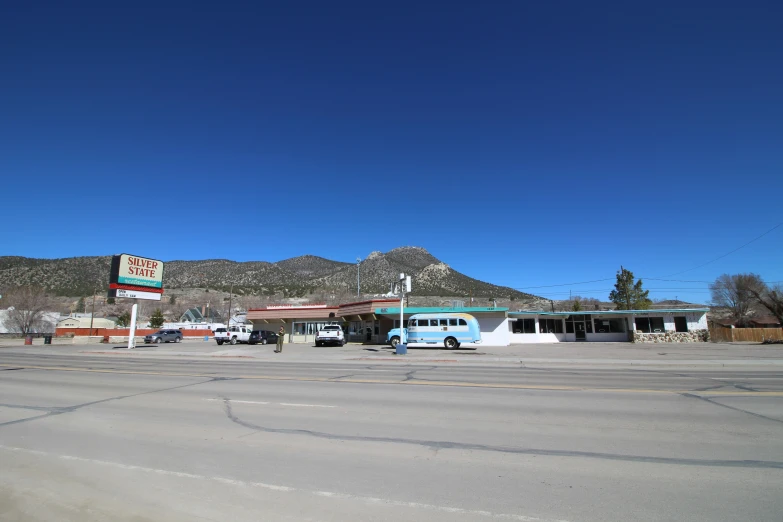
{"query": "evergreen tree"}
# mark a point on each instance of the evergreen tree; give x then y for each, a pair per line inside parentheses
(173, 299)
(628, 295)
(577, 306)
(109, 300)
(156, 319)
(80, 306)
(123, 319)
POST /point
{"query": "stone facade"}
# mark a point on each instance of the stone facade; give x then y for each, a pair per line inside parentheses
(696, 336)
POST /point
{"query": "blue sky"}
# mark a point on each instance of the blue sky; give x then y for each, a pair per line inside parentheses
(526, 145)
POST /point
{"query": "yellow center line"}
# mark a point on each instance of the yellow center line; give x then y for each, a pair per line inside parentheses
(418, 382)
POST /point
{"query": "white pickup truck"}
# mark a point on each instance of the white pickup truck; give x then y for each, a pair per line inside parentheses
(233, 335)
(330, 334)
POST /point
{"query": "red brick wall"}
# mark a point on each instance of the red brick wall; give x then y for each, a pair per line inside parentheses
(125, 332)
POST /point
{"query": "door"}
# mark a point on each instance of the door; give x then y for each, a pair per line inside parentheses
(579, 330)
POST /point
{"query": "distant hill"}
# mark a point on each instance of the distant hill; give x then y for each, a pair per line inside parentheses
(298, 276)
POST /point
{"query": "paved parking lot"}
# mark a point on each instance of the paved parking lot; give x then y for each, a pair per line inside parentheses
(561, 353)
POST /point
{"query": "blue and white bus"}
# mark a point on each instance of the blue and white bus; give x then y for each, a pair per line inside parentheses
(451, 329)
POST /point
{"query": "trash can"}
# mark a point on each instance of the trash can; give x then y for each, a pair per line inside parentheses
(47, 339)
(401, 349)
(28, 339)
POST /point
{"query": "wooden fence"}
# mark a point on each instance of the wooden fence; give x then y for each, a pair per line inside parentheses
(720, 334)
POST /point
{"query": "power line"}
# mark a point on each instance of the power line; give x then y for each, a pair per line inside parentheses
(565, 284)
(728, 253)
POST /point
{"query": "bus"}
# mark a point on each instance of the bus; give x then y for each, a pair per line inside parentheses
(451, 329)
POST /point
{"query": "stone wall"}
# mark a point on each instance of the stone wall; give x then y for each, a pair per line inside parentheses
(696, 336)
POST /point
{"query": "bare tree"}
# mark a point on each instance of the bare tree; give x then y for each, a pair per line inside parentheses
(27, 306)
(769, 298)
(736, 292)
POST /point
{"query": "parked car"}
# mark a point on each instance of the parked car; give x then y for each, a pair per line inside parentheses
(163, 336)
(262, 337)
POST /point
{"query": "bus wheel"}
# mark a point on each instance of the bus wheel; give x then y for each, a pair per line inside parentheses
(450, 343)
(394, 341)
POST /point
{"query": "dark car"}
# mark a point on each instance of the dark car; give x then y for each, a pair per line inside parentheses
(262, 337)
(163, 336)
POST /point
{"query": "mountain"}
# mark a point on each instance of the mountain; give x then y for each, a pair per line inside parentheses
(303, 275)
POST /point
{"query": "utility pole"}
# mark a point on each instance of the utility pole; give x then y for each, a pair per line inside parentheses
(230, 295)
(92, 314)
(358, 281)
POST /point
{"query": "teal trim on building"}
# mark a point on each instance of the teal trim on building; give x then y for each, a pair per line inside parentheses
(609, 312)
(436, 310)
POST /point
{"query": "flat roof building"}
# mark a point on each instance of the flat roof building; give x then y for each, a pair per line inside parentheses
(370, 321)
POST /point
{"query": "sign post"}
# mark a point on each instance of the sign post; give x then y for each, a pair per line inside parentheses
(405, 285)
(132, 333)
(134, 277)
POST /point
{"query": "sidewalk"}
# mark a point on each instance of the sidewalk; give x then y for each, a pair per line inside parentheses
(589, 354)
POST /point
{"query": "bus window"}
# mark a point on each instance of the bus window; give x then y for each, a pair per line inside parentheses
(452, 322)
(462, 322)
(444, 322)
(412, 322)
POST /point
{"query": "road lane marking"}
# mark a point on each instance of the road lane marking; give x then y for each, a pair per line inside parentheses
(296, 404)
(376, 501)
(241, 402)
(306, 405)
(350, 380)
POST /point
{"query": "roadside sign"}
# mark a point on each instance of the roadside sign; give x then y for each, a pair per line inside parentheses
(135, 294)
(133, 270)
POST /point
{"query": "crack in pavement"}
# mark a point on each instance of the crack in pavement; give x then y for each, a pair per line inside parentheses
(52, 411)
(438, 445)
(706, 399)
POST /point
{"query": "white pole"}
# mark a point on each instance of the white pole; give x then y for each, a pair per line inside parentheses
(402, 313)
(403, 340)
(132, 333)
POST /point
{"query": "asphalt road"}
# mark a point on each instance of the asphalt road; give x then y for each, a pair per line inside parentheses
(133, 439)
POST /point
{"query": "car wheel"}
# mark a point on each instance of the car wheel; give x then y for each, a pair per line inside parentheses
(233, 340)
(394, 341)
(263, 341)
(341, 344)
(177, 339)
(220, 343)
(158, 340)
(450, 343)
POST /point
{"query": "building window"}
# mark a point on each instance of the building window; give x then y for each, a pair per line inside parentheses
(610, 325)
(681, 324)
(649, 324)
(524, 326)
(550, 325)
